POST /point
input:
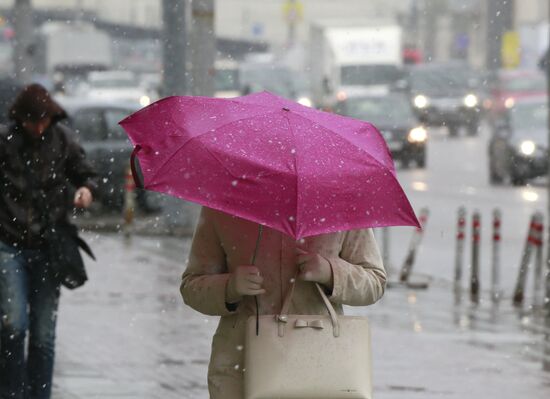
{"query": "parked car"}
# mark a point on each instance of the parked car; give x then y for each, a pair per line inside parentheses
(9, 88)
(446, 95)
(509, 86)
(517, 149)
(226, 80)
(106, 144)
(392, 114)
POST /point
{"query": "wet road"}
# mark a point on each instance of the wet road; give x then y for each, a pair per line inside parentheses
(126, 334)
(457, 175)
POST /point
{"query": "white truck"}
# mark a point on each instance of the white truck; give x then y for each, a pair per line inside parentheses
(75, 48)
(346, 58)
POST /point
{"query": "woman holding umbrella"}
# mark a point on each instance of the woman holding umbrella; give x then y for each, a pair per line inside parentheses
(289, 197)
(220, 281)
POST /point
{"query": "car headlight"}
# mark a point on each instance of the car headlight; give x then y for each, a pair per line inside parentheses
(470, 100)
(341, 95)
(144, 101)
(527, 147)
(420, 101)
(509, 102)
(417, 135)
(305, 101)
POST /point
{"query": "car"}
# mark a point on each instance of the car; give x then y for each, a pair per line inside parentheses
(9, 88)
(517, 148)
(124, 86)
(226, 80)
(256, 76)
(446, 95)
(509, 86)
(392, 114)
(107, 146)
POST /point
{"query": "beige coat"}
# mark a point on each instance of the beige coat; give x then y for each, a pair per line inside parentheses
(223, 242)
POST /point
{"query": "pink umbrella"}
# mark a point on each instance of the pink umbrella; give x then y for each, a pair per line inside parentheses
(270, 160)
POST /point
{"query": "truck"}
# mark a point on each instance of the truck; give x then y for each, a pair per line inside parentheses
(346, 58)
(71, 49)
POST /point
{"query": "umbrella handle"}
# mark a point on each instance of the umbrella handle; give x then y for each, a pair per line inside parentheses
(135, 176)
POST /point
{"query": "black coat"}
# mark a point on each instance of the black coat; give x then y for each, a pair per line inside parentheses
(36, 175)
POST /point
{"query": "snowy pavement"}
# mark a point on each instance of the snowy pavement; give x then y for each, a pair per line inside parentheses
(127, 334)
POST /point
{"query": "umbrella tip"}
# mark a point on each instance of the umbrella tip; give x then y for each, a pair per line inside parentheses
(286, 109)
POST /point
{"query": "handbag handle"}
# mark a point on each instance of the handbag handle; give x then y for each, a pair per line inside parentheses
(283, 316)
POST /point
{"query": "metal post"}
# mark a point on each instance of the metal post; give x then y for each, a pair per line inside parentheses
(495, 269)
(519, 292)
(459, 253)
(129, 203)
(538, 277)
(546, 364)
(386, 247)
(22, 20)
(415, 243)
(476, 238)
(175, 42)
(203, 49)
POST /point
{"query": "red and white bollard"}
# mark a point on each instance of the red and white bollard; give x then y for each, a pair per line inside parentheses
(129, 202)
(476, 238)
(413, 247)
(495, 269)
(459, 253)
(538, 278)
(534, 240)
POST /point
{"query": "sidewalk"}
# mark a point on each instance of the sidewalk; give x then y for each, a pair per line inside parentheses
(127, 334)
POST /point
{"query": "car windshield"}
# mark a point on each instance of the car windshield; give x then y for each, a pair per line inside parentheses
(227, 80)
(441, 80)
(530, 119)
(107, 83)
(384, 111)
(262, 77)
(525, 83)
(370, 75)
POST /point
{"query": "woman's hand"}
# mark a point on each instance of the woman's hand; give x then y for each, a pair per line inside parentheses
(245, 280)
(83, 197)
(313, 267)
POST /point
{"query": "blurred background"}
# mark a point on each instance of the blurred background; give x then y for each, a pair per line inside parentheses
(457, 88)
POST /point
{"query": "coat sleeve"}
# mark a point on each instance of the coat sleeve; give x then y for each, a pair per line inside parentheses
(79, 171)
(359, 277)
(204, 281)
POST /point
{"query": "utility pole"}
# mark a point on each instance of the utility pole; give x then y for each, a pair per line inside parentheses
(174, 44)
(500, 15)
(22, 20)
(203, 48)
(546, 364)
(430, 17)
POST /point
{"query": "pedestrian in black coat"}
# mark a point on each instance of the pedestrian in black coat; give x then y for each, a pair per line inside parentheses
(40, 166)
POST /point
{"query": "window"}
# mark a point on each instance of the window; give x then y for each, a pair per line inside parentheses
(112, 117)
(89, 125)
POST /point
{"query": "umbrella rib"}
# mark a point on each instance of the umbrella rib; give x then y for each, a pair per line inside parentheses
(196, 137)
(295, 172)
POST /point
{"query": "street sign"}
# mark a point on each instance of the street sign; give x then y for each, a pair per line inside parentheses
(510, 50)
(293, 11)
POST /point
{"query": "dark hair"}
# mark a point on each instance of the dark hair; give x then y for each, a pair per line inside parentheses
(35, 103)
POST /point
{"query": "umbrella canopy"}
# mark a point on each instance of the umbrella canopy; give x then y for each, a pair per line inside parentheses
(270, 160)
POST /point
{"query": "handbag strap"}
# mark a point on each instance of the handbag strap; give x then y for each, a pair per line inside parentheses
(282, 318)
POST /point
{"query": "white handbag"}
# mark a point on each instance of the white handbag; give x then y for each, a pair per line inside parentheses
(307, 356)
